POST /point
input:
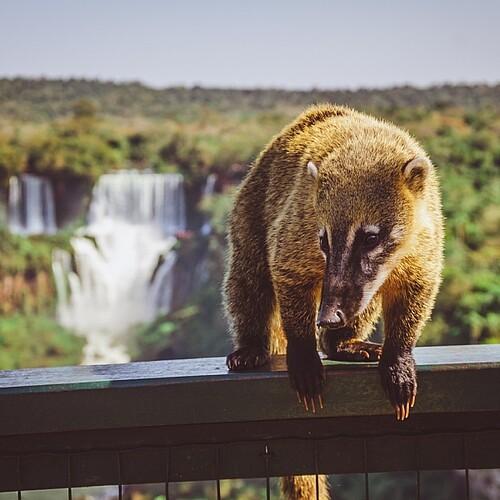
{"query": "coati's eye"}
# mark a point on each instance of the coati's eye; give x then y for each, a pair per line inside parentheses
(370, 240)
(323, 240)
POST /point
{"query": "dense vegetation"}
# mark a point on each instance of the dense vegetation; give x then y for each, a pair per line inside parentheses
(43, 100)
(73, 131)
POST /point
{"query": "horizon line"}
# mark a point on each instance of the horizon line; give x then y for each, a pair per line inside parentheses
(313, 88)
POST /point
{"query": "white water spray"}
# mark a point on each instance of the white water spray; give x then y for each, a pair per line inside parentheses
(31, 205)
(123, 261)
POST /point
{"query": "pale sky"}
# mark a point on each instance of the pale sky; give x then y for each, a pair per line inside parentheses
(296, 44)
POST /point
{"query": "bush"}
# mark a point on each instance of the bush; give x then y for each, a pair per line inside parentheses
(37, 341)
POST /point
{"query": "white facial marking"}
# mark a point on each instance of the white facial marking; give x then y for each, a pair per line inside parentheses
(397, 233)
(372, 287)
(312, 169)
(371, 228)
(350, 238)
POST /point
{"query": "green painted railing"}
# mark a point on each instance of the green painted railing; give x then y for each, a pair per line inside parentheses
(180, 420)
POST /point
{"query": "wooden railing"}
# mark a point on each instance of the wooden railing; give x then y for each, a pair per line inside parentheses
(180, 420)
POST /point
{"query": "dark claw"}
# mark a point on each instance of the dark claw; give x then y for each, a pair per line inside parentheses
(247, 358)
(311, 403)
(403, 411)
(399, 381)
(307, 377)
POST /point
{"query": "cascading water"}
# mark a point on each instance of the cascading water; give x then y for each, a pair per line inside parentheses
(123, 261)
(31, 205)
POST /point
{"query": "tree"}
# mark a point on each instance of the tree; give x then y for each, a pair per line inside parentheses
(84, 108)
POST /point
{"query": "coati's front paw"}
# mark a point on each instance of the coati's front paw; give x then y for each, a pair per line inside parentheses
(399, 381)
(246, 358)
(355, 350)
(307, 376)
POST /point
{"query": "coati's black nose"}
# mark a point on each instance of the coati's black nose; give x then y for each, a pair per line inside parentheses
(333, 319)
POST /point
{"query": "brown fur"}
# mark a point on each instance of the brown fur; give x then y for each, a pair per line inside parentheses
(304, 488)
(369, 173)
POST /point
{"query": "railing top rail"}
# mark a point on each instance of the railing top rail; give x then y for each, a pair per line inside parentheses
(437, 358)
(202, 391)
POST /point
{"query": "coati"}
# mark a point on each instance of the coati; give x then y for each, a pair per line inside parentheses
(337, 222)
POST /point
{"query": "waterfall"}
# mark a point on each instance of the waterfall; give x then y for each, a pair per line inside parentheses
(208, 191)
(31, 205)
(123, 261)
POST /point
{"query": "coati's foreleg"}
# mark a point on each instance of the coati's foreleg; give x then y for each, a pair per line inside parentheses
(297, 304)
(407, 306)
(248, 295)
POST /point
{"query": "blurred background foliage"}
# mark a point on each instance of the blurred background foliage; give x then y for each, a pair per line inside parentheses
(73, 131)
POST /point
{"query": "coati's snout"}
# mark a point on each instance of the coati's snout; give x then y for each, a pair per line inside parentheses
(336, 310)
(342, 290)
(348, 273)
(331, 317)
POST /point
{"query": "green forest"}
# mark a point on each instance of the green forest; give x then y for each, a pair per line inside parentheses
(73, 131)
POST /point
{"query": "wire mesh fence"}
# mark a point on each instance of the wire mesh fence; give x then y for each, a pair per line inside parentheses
(367, 457)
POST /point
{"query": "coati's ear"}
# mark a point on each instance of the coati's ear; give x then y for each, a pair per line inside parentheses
(415, 172)
(312, 169)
